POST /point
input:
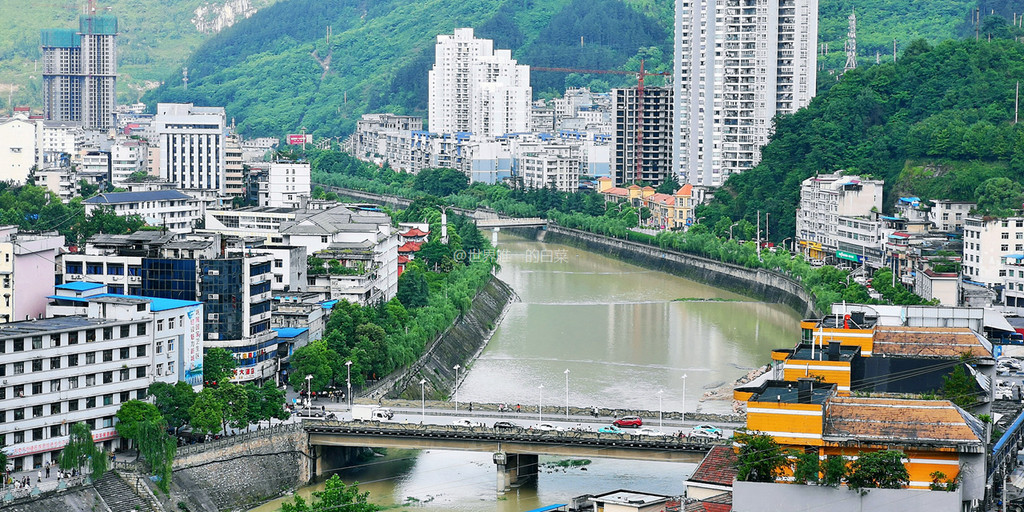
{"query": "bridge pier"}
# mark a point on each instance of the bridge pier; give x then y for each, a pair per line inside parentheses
(513, 468)
(494, 236)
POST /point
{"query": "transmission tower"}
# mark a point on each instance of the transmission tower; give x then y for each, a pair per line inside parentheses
(851, 43)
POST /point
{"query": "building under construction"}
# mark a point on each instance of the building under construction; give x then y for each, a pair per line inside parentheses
(642, 141)
(80, 71)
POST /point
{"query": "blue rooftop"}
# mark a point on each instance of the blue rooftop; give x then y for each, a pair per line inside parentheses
(79, 286)
(135, 197)
(290, 332)
(548, 508)
(155, 303)
(328, 304)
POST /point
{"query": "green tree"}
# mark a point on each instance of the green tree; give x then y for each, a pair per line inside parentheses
(760, 459)
(999, 197)
(81, 451)
(314, 359)
(133, 413)
(669, 186)
(218, 364)
(87, 189)
(157, 448)
(806, 468)
(335, 496)
(173, 401)
(881, 469)
(206, 413)
(959, 387)
(234, 402)
(834, 469)
(412, 287)
(440, 182)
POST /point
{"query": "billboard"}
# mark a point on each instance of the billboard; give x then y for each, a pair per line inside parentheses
(191, 347)
(296, 139)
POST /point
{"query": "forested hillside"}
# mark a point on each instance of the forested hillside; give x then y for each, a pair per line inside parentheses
(937, 123)
(277, 71)
(155, 38)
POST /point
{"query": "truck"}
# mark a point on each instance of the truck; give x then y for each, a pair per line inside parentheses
(371, 413)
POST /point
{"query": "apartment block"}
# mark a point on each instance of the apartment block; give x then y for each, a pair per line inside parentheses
(988, 243)
(948, 216)
(80, 71)
(192, 147)
(26, 272)
(642, 136)
(737, 64)
(234, 171)
(170, 209)
(824, 201)
(287, 185)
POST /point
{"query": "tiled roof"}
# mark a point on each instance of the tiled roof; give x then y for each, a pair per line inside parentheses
(663, 199)
(634, 187)
(718, 467)
(409, 247)
(403, 259)
(685, 190)
(928, 342)
(899, 421)
(415, 232)
(616, 191)
(717, 503)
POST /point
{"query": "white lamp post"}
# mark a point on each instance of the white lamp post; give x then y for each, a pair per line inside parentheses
(660, 414)
(683, 415)
(309, 391)
(566, 393)
(540, 404)
(423, 400)
(348, 382)
(456, 368)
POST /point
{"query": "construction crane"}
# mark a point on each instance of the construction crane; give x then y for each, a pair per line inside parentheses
(640, 75)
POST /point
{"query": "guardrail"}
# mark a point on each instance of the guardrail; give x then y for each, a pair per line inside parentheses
(571, 436)
(280, 428)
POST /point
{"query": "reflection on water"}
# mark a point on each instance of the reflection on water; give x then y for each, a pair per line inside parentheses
(623, 336)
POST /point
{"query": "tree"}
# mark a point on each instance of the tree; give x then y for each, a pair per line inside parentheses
(218, 364)
(807, 468)
(234, 402)
(335, 496)
(834, 470)
(157, 449)
(999, 197)
(266, 402)
(669, 186)
(87, 189)
(440, 182)
(882, 469)
(81, 451)
(959, 387)
(173, 401)
(133, 413)
(314, 359)
(761, 459)
(206, 414)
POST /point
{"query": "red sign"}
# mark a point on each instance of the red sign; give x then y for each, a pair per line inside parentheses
(295, 140)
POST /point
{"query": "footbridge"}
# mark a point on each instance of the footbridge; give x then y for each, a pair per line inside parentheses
(515, 450)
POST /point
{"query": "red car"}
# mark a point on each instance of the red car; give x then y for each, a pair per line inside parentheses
(629, 421)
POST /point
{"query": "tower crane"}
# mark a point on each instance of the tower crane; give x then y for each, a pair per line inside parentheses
(640, 75)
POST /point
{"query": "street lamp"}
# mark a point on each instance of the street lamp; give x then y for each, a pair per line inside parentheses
(699, 219)
(309, 391)
(566, 393)
(456, 368)
(734, 224)
(348, 382)
(540, 404)
(660, 414)
(423, 401)
(683, 415)
(784, 243)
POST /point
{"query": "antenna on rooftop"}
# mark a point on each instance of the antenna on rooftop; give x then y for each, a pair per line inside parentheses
(851, 43)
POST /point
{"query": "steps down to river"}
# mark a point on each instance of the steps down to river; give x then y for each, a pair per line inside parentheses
(118, 495)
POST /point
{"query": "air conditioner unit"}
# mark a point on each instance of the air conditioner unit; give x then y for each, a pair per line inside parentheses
(213, 296)
(213, 316)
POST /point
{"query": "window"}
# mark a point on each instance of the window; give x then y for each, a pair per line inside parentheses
(37, 411)
(108, 355)
(123, 375)
(1004, 247)
(90, 358)
(170, 369)
(124, 331)
(37, 434)
(93, 268)
(108, 332)
(37, 388)
(170, 346)
(159, 347)
(54, 363)
(73, 360)
(37, 365)
(159, 369)
(72, 405)
(278, 263)
(323, 239)
(159, 325)
(55, 340)
(90, 380)
(19, 345)
(140, 329)
(108, 399)
(19, 414)
(140, 372)
(108, 377)
(55, 430)
(140, 394)
(125, 396)
(1004, 236)
(90, 402)
(19, 368)
(140, 351)
(115, 269)
(124, 353)
(72, 338)
(90, 335)
(73, 267)
(19, 437)
(19, 391)
(37, 342)
(73, 382)
(54, 385)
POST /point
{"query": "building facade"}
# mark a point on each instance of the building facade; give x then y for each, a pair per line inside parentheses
(192, 148)
(824, 200)
(287, 185)
(988, 243)
(26, 272)
(737, 64)
(80, 72)
(171, 209)
(642, 136)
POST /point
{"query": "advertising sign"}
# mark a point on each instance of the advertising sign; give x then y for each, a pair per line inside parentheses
(192, 348)
(843, 255)
(296, 139)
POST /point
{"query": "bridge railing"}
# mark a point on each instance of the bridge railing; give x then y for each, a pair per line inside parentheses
(280, 428)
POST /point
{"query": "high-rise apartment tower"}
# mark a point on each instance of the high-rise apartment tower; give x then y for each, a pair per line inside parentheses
(80, 71)
(738, 63)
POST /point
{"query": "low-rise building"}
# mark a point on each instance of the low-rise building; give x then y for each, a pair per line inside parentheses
(948, 216)
(944, 286)
(171, 209)
(287, 185)
(826, 198)
(988, 241)
(64, 370)
(26, 272)
(17, 148)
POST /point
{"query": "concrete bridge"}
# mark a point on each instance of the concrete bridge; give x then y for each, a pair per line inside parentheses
(515, 450)
(510, 222)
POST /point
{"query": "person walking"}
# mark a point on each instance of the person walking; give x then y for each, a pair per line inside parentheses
(39, 476)
(47, 470)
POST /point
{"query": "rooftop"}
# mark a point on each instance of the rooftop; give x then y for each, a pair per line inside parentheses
(911, 422)
(718, 467)
(820, 352)
(788, 392)
(60, 323)
(289, 332)
(717, 503)
(928, 342)
(635, 498)
(79, 286)
(134, 197)
(156, 303)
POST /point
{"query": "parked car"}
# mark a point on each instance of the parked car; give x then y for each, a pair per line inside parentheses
(505, 425)
(705, 431)
(466, 423)
(629, 421)
(647, 431)
(611, 429)
(547, 427)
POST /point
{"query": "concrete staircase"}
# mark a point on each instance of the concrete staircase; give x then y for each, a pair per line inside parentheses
(119, 496)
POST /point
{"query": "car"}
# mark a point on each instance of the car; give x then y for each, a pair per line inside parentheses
(705, 431)
(647, 431)
(547, 427)
(1009, 362)
(611, 429)
(505, 425)
(465, 423)
(629, 421)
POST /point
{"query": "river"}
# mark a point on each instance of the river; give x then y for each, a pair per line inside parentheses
(624, 333)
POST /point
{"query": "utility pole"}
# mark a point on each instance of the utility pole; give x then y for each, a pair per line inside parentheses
(894, 50)
(1016, 102)
(184, 77)
(759, 234)
(851, 43)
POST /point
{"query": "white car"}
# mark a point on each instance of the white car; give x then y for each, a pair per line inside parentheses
(466, 423)
(1010, 362)
(646, 431)
(547, 427)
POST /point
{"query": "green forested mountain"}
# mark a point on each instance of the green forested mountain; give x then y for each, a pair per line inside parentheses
(273, 75)
(155, 37)
(937, 123)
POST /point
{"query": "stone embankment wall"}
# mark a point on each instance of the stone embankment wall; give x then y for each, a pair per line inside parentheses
(757, 283)
(461, 343)
(72, 500)
(240, 472)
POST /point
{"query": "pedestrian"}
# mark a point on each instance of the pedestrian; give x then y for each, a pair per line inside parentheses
(47, 471)
(471, 407)
(39, 476)
(519, 408)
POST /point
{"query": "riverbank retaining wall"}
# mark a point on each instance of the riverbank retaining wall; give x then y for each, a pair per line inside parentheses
(757, 283)
(458, 345)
